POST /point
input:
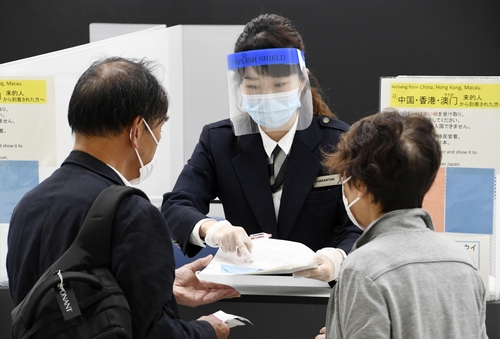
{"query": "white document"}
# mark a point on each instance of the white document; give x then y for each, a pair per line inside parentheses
(231, 319)
(267, 274)
(270, 256)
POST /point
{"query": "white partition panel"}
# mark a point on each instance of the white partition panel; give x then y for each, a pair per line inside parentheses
(191, 65)
(67, 65)
(197, 81)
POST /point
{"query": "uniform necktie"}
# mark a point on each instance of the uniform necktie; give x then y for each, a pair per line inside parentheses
(277, 167)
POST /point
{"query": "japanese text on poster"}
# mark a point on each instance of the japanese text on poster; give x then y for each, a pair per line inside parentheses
(23, 91)
(464, 112)
(28, 120)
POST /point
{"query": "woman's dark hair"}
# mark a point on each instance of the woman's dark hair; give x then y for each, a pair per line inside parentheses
(112, 93)
(274, 31)
(395, 156)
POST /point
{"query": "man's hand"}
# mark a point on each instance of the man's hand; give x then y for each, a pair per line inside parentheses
(221, 329)
(229, 238)
(192, 292)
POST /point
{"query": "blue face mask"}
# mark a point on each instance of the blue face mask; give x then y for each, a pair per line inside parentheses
(271, 110)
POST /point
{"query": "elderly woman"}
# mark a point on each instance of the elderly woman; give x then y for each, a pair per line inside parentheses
(401, 280)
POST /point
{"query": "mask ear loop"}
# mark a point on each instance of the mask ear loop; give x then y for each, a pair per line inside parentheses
(150, 131)
(360, 194)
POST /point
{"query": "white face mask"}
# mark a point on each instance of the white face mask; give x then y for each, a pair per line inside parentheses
(271, 110)
(145, 170)
(348, 206)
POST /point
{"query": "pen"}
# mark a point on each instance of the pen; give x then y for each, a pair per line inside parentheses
(260, 235)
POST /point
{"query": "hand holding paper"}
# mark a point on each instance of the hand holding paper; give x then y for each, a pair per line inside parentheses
(221, 328)
(231, 319)
(328, 263)
(222, 322)
(192, 292)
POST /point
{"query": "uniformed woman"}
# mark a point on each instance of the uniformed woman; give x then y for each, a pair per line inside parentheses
(264, 163)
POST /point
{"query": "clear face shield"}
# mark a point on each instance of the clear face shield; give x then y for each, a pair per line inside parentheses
(270, 88)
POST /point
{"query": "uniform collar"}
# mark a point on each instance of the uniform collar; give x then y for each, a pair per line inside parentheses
(285, 143)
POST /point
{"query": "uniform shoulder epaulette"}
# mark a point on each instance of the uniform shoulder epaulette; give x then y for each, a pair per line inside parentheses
(333, 123)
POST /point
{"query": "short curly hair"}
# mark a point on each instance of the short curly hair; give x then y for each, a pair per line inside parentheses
(395, 156)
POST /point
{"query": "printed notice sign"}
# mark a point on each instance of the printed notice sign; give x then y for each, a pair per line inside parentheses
(28, 120)
(443, 95)
(23, 91)
(464, 111)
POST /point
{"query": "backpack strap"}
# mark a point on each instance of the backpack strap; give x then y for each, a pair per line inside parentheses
(92, 246)
(90, 249)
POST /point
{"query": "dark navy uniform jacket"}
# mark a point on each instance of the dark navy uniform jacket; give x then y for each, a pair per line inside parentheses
(234, 169)
(47, 219)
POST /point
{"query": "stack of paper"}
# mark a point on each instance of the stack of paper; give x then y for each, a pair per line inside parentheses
(272, 259)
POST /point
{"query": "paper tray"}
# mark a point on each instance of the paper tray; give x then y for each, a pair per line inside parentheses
(271, 285)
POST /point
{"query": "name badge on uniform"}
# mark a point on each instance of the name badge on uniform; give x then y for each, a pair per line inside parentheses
(327, 180)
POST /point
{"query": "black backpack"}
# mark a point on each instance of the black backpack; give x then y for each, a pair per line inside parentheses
(89, 304)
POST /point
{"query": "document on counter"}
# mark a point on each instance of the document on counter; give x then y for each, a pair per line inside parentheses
(270, 256)
(270, 272)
